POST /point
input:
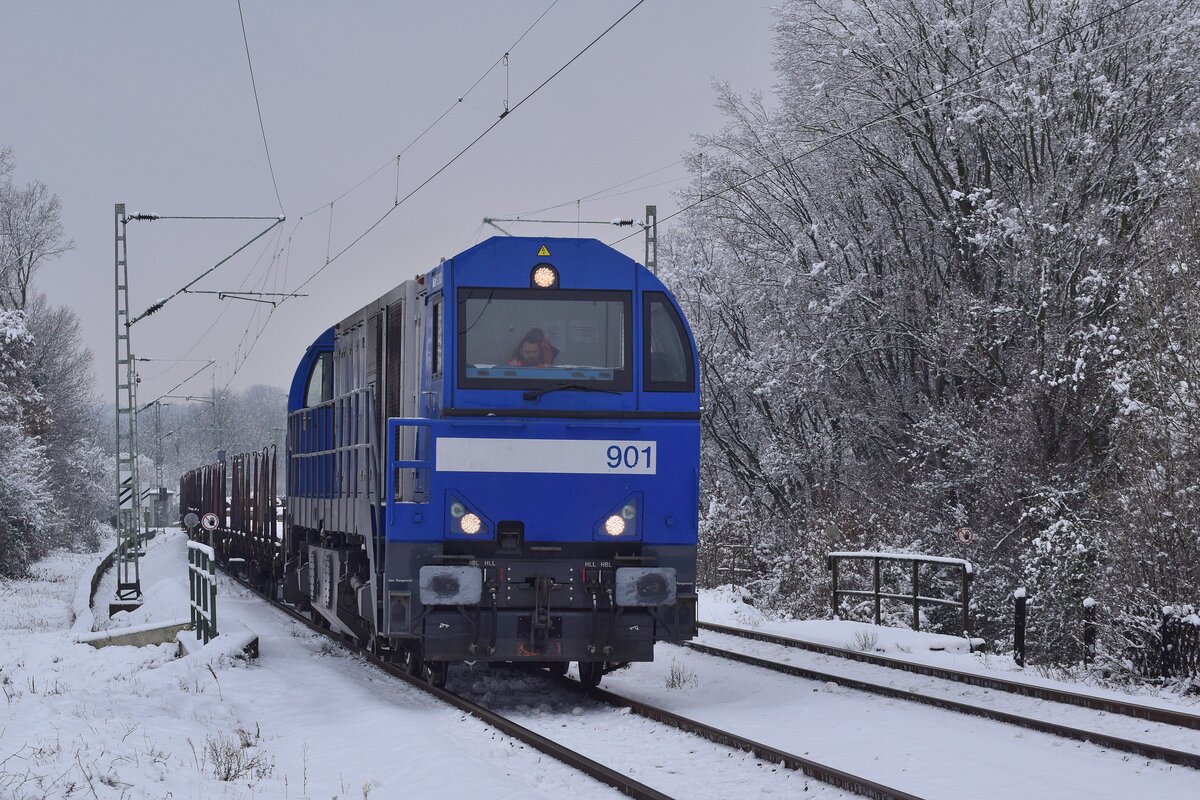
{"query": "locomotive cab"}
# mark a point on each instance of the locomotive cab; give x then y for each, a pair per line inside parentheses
(505, 465)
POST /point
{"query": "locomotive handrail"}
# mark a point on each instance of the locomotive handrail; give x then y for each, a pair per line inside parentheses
(394, 424)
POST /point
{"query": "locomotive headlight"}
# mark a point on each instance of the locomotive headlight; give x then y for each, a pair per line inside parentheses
(621, 520)
(544, 276)
(470, 523)
(457, 510)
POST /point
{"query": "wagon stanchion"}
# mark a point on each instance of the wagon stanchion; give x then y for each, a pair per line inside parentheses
(1019, 627)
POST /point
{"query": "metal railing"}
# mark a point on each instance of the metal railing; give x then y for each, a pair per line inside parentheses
(734, 562)
(202, 590)
(331, 467)
(914, 597)
(397, 447)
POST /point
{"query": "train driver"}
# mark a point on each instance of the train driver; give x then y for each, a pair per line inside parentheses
(534, 350)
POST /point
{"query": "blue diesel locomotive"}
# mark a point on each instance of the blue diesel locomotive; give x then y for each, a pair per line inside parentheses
(499, 461)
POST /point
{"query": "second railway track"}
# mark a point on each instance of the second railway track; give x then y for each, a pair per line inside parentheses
(1127, 708)
(1138, 747)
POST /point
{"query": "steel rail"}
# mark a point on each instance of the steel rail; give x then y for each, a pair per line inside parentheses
(814, 769)
(1110, 705)
(606, 775)
(1167, 754)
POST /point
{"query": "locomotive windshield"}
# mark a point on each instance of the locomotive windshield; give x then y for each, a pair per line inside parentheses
(532, 338)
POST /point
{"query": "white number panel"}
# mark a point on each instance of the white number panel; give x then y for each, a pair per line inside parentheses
(555, 456)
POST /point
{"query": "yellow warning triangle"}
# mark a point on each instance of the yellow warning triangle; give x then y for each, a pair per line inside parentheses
(543, 251)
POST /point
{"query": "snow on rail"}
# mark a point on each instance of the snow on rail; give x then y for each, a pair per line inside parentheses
(970, 568)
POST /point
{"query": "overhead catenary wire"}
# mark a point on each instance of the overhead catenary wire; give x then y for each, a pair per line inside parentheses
(401, 200)
(458, 101)
(181, 383)
(258, 107)
(472, 143)
(912, 106)
(217, 318)
(157, 305)
(595, 196)
(397, 199)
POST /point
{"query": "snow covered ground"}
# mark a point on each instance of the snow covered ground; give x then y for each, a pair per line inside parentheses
(309, 721)
(926, 751)
(305, 721)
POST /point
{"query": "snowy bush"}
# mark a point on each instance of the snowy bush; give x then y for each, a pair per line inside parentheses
(946, 279)
(681, 676)
(863, 641)
(233, 758)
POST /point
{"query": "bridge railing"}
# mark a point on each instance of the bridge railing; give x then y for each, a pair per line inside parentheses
(202, 590)
(914, 597)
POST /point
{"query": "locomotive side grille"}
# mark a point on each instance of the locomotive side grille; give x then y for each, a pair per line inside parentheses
(392, 379)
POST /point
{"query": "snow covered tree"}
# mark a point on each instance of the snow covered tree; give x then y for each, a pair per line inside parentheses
(31, 234)
(54, 489)
(937, 283)
(60, 367)
(24, 496)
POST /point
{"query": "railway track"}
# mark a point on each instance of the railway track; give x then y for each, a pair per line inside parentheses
(1145, 749)
(814, 769)
(602, 773)
(606, 775)
(1109, 705)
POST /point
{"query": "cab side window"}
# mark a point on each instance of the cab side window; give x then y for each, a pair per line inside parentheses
(666, 356)
(320, 381)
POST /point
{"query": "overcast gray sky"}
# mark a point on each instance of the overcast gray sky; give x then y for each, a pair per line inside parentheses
(150, 104)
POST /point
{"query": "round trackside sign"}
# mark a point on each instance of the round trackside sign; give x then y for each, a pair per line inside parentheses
(209, 521)
(965, 535)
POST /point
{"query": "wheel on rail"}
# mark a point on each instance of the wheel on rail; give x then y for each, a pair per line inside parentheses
(590, 673)
(410, 659)
(557, 668)
(436, 672)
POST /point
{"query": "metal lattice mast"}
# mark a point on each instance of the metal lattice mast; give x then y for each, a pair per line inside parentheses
(129, 584)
